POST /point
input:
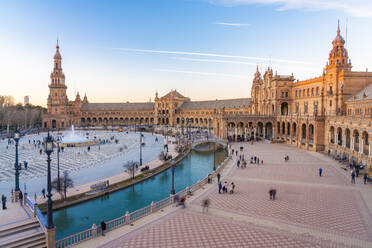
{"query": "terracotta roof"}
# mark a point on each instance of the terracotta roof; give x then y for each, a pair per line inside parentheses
(119, 106)
(364, 94)
(227, 103)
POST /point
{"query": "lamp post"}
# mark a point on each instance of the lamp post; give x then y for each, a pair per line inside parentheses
(140, 148)
(173, 192)
(58, 178)
(48, 151)
(16, 189)
(214, 156)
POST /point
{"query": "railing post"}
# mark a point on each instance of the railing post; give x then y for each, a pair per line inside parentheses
(35, 206)
(127, 218)
(94, 230)
(152, 206)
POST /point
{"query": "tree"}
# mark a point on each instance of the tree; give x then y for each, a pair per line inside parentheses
(65, 183)
(131, 167)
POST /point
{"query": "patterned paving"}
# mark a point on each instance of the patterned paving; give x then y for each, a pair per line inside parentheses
(309, 211)
(190, 229)
(71, 159)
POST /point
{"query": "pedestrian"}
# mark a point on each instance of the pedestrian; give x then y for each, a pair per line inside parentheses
(219, 187)
(205, 204)
(20, 196)
(236, 153)
(232, 188)
(320, 171)
(41, 151)
(218, 177)
(352, 176)
(224, 188)
(357, 170)
(255, 159)
(365, 177)
(25, 164)
(272, 193)
(261, 161)
(103, 227)
(238, 163)
(43, 192)
(3, 201)
(183, 202)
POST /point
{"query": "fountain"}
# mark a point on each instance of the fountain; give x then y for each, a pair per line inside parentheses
(72, 139)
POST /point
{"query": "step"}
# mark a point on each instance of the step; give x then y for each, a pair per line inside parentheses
(16, 225)
(26, 241)
(24, 226)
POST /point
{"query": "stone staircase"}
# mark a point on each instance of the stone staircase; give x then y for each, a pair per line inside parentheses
(26, 234)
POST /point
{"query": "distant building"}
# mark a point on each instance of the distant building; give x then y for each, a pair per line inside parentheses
(26, 100)
(332, 112)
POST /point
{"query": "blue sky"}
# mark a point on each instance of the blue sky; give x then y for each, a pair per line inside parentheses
(118, 51)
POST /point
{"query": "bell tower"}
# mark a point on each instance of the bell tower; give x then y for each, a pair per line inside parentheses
(57, 99)
(338, 56)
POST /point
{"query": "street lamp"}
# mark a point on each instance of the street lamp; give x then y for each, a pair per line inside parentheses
(140, 148)
(173, 192)
(214, 156)
(58, 150)
(48, 150)
(16, 137)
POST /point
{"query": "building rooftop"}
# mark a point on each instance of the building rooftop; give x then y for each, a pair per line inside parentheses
(227, 103)
(364, 94)
(119, 106)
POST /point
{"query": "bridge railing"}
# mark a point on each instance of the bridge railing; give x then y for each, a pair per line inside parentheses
(131, 217)
(37, 213)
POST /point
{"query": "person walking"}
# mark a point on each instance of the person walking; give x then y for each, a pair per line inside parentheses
(320, 171)
(272, 193)
(3, 201)
(219, 187)
(103, 227)
(365, 177)
(352, 176)
(20, 197)
(43, 192)
(206, 204)
(218, 177)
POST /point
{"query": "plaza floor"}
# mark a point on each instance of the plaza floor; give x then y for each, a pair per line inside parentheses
(309, 211)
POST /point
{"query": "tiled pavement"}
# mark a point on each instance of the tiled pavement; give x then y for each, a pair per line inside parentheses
(309, 211)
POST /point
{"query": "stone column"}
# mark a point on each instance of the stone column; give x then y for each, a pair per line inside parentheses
(370, 149)
(254, 130)
(352, 143)
(336, 138)
(344, 140)
(264, 132)
(329, 137)
(361, 141)
(94, 230)
(273, 134)
(50, 236)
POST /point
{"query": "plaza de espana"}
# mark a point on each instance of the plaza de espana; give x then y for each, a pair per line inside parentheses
(331, 113)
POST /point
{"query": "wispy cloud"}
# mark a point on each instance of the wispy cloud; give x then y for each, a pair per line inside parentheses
(233, 24)
(203, 73)
(219, 61)
(359, 8)
(213, 55)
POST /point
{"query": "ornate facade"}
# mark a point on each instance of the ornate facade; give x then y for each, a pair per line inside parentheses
(332, 112)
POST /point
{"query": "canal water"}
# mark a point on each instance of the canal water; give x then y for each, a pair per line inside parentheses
(192, 168)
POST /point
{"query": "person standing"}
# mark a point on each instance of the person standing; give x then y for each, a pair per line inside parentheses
(43, 192)
(320, 171)
(219, 187)
(103, 227)
(3, 201)
(20, 197)
(352, 176)
(218, 177)
(365, 177)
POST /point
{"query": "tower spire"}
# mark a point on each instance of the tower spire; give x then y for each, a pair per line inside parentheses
(338, 28)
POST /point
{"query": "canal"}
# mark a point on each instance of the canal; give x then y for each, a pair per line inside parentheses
(192, 168)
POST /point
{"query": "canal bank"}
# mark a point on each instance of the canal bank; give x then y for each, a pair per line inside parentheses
(74, 219)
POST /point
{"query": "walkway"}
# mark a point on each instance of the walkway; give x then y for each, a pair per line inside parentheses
(310, 211)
